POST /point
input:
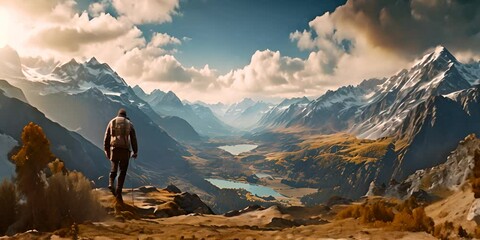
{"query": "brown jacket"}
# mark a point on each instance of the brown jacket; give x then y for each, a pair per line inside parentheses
(111, 141)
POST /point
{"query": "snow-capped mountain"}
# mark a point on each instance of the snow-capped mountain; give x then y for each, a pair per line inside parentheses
(282, 113)
(435, 74)
(201, 118)
(377, 108)
(155, 94)
(329, 113)
(246, 113)
(236, 109)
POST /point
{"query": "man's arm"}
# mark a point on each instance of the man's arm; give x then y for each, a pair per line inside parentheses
(106, 140)
(133, 140)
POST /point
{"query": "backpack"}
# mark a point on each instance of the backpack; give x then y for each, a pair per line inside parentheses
(120, 133)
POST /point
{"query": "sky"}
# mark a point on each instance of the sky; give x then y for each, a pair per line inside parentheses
(226, 50)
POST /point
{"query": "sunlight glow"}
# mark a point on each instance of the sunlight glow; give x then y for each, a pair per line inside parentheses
(4, 26)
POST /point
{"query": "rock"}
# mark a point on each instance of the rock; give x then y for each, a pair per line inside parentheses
(147, 189)
(423, 197)
(173, 189)
(375, 190)
(282, 223)
(474, 212)
(337, 200)
(191, 203)
(253, 178)
(245, 210)
(269, 198)
(168, 209)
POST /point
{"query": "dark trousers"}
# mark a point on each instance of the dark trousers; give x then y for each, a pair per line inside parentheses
(119, 160)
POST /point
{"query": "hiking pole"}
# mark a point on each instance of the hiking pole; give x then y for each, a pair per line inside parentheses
(131, 182)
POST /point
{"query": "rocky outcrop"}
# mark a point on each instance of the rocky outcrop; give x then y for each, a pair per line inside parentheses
(151, 202)
(447, 176)
(242, 211)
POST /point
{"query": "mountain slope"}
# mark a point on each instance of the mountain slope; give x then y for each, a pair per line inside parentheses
(77, 153)
(434, 128)
(7, 168)
(274, 116)
(10, 91)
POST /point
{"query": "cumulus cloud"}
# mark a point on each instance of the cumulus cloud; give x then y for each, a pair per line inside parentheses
(81, 31)
(163, 39)
(405, 28)
(37, 8)
(147, 11)
(97, 8)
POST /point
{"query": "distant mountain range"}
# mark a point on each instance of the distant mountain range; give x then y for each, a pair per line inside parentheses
(200, 117)
(243, 115)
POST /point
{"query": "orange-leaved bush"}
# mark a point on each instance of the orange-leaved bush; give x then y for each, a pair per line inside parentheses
(52, 202)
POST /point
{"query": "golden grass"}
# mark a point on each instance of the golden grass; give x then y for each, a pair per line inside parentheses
(340, 146)
(406, 216)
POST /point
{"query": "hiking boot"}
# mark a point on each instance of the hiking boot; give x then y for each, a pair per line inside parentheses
(119, 198)
(112, 189)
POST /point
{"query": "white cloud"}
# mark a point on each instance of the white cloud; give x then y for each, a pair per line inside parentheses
(81, 31)
(147, 11)
(163, 39)
(97, 8)
(37, 8)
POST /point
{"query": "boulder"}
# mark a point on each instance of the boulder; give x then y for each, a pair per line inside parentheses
(474, 212)
(191, 203)
(173, 189)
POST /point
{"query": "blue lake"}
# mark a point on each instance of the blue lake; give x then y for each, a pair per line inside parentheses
(254, 189)
(239, 148)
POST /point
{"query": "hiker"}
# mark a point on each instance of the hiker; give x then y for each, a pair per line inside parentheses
(119, 136)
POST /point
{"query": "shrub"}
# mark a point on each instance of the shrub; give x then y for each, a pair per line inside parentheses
(447, 230)
(68, 200)
(414, 221)
(379, 212)
(368, 212)
(8, 205)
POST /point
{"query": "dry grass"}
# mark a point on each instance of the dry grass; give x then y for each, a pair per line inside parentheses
(447, 230)
(406, 216)
(340, 146)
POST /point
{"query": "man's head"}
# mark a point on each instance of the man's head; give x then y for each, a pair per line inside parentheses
(122, 112)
